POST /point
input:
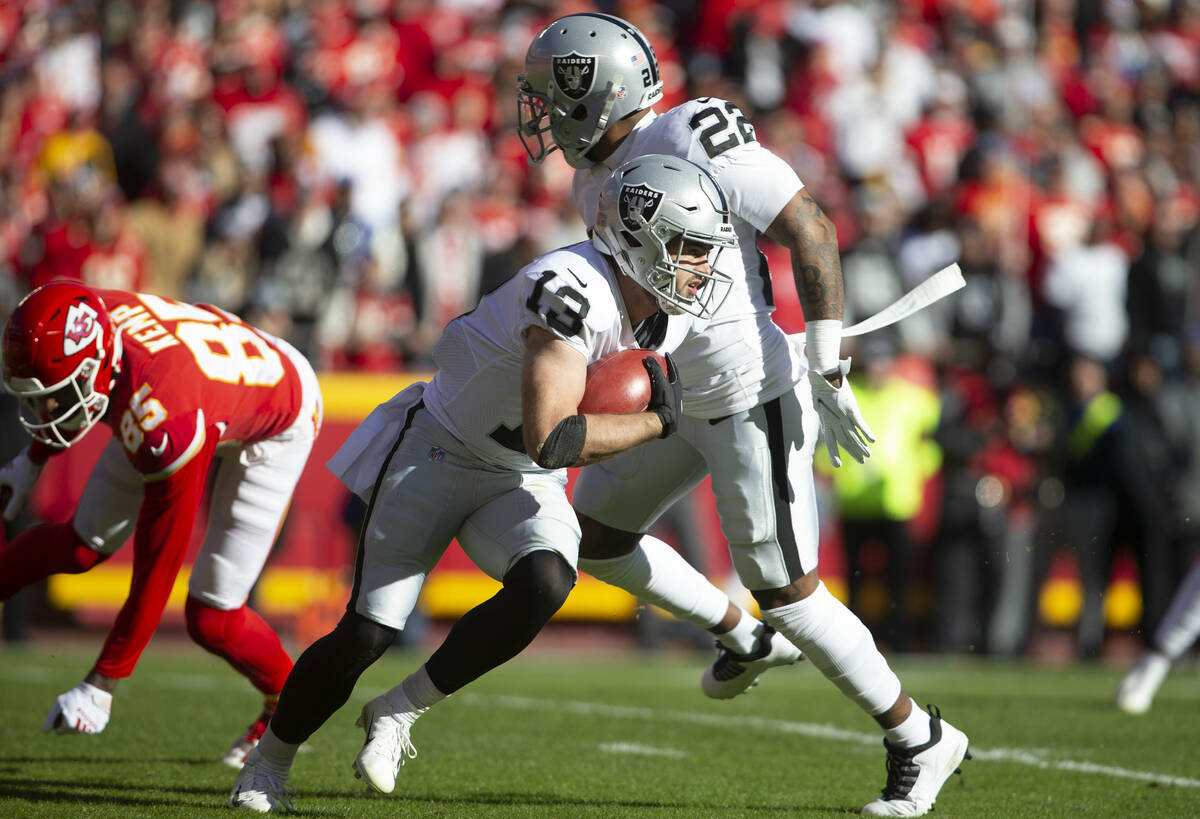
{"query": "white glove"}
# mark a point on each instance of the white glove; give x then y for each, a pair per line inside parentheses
(84, 709)
(841, 421)
(17, 478)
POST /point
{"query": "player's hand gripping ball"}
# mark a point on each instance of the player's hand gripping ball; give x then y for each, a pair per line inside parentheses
(619, 383)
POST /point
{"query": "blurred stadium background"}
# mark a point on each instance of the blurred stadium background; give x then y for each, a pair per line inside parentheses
(347, 174)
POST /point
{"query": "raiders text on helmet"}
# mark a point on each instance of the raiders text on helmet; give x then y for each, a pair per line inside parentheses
(652, 206)
(583, 72)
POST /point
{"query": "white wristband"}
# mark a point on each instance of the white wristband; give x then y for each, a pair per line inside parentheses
(824, 344)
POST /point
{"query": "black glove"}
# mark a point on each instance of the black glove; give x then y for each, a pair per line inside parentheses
(666, 393)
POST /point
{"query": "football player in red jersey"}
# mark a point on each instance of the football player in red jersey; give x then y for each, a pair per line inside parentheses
(179, 385)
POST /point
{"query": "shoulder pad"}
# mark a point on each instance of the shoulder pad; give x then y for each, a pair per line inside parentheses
(568, 294)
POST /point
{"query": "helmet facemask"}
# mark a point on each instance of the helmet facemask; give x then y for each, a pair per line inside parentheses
(566, 120)
(650, 210)
(60, 414)
(667, 241)
(61, 355)
(533, 121)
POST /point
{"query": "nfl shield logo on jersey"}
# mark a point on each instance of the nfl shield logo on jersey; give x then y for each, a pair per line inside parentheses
(81, 328)
(638, 199)
(574, 74)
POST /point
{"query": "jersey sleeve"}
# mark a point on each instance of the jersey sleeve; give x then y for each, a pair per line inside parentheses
(160, 541)
(717, 136)
(757, 183)
(572, 305)
(167, 447)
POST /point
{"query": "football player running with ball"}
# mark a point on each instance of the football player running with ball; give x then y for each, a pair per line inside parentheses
(480, 454)
(751, 404)
(179, 385)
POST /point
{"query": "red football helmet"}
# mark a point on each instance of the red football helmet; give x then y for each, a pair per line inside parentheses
(61, 352)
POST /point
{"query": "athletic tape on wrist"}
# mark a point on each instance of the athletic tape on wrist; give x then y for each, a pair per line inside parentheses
(824, 341)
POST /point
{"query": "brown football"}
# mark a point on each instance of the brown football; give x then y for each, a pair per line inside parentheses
(619, 383)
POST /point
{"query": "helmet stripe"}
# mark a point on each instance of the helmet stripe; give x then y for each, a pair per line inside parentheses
(632, 32)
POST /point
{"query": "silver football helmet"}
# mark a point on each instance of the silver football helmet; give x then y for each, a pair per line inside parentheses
(583, 72)
(652, 206)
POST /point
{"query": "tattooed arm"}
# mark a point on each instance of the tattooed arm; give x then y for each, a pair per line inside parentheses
(804, 229)
(810, 236)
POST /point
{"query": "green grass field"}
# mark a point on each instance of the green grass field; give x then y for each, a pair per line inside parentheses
(615, 736)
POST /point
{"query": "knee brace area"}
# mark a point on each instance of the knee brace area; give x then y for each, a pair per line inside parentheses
(207, 625)
(602, 542)
(79, 555)
(361, 641)
(543, 578)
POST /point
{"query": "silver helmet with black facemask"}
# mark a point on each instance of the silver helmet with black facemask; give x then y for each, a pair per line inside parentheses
(583, 72)
(651, 209)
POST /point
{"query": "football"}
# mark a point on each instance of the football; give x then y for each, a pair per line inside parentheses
(619, 383)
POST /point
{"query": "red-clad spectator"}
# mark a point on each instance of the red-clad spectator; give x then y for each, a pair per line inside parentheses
(1062, 216)
(941, 138)
(42, 114)
(117, 257)
(10, 32)
(416, 54)
(349, 57)
(259, 105)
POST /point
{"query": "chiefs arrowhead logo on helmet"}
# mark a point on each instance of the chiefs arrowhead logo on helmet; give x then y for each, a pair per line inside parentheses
(60, 353)
(641, 200)
(574, 74)
(81, 328)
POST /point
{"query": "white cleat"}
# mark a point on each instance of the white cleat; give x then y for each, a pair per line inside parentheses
(915, 775)
(732, 673)
(260, 789)
(387, 746)
(1136, 692)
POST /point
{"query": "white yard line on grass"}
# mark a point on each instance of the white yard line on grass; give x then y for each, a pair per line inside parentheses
(640, 750)
(1037, 758)
(1034, 757)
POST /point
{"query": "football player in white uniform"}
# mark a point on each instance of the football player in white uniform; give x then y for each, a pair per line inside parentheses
(1179, 628)
(480, 454)
(749, 422)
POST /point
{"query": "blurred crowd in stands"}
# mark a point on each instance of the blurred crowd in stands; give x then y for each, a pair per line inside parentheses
(347, 174)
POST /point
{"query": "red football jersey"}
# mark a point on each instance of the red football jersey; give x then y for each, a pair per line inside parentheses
(188, 371)
(191, 377)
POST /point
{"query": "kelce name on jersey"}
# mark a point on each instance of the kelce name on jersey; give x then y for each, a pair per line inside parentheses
(143, 327)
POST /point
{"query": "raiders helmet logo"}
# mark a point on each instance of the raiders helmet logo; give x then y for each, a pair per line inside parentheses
(638, 199)
(81, 328)
(574, 74)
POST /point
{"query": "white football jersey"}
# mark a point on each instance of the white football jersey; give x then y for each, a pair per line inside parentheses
(740, 358)
(572, 292)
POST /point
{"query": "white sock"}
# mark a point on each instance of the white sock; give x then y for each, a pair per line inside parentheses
(913, 731)
(276, 753)
(658, 574)
(840, 646)
(742, 638)
(418, 693)
(1181, 624)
